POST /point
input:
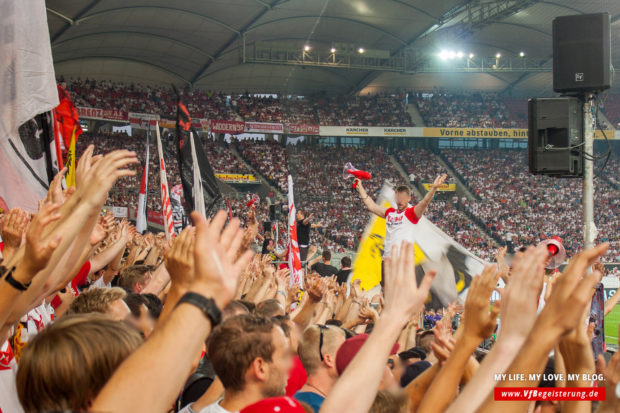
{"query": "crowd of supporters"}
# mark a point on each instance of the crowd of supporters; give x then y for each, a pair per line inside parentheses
(438, 108)
(90, 309)
(466, 110)
(526, 208)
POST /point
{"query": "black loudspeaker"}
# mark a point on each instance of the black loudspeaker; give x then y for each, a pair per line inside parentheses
(267, 226)
(582, 53)
(555, 136)
(272, 212)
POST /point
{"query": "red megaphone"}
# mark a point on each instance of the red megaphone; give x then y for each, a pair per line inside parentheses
(255, 200)
(351, 171)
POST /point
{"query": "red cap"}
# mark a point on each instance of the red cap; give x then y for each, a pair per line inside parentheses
(349, 349)
(275, 405)
(297, 377)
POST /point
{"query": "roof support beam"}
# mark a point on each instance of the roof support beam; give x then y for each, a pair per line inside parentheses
(74, 20)
(226, 45)
(165, 9)
(132, 33)
(59, 14)
(343, 19)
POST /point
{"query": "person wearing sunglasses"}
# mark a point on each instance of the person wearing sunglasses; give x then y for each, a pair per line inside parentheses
(317, 351)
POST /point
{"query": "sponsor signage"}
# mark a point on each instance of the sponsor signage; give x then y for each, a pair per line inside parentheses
(260, 127)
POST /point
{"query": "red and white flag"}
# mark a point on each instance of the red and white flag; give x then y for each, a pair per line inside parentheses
(294, 259)
(141, 216)
(165, 192)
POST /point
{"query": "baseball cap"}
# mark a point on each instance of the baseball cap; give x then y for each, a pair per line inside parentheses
(276, 405)
(349, 349)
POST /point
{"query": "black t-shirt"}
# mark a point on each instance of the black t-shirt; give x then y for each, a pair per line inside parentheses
(342, 276)
(324, 270)
(303, 233)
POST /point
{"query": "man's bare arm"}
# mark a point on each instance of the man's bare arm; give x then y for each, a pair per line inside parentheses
(368, 201)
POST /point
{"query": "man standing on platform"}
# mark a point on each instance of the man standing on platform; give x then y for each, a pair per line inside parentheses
(400, 221)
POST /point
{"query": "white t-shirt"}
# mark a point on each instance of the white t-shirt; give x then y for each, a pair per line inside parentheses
(399, 227)
(212, 408)
(99, 283)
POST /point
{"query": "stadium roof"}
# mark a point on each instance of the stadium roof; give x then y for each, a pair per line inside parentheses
(202, 42)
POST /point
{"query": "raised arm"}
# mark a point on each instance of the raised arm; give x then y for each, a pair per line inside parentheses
(420, 208)
(368, 201)
(216, 274)
(403, 299)
(562, 314)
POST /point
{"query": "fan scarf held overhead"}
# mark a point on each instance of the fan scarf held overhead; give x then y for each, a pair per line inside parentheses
(350, 171)
(253, 202)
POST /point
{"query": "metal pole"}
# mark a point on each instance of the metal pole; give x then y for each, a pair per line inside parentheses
(589, 121)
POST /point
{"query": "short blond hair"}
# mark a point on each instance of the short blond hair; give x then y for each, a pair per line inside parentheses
(67, 364)
(308, 348)
(96, 300)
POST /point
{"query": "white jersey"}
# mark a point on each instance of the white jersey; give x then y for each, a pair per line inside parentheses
(399, 227)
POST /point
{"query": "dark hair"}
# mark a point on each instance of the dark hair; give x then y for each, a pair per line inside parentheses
(249, 305)
(326, 255)
(233, 346)
(345, 262)
(134, 301)
(403, 188)
(233, 308)
(153, 303)
(333, 322)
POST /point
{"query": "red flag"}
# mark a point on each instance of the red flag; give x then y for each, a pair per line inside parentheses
(67, 117)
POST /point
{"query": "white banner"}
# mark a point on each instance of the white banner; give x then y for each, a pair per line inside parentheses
(143, 120)
(384, 131)
(120, 212)
(261, 127)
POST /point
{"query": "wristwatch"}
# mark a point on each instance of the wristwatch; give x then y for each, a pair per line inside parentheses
(13, 282)
(206, 305)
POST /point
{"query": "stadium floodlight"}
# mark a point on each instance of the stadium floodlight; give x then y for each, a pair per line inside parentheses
(361, 50)
(521, 54)
(460, 55)
(333, 50)
(498, 55)
(306, 48)
(443, 55)
(471, 55)
(451, 54)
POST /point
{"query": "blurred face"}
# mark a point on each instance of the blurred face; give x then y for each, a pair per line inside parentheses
(280, 366)
(402, 199)
(396, 365)
(300, 216)
(118, 310)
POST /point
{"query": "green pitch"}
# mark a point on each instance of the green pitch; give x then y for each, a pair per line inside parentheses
(611, 326)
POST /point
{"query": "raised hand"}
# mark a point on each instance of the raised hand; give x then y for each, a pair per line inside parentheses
(179, 259)
(99, 175)
(572, 286)
(440, 180)
(55, 193)
(403, 297)
(13, 228)
(38, 252)
(520, 297)
(216, 269)
(478, 321)
(502, 267)
(315, 289)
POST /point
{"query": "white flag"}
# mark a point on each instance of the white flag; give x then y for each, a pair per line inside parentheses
(141, 224)
(165, 192)
(199, 200)
(27, 89)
